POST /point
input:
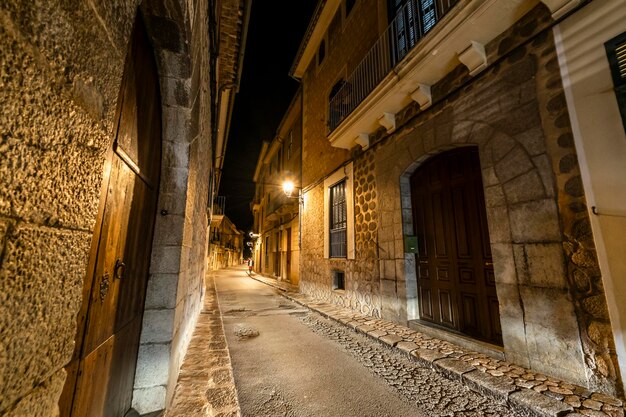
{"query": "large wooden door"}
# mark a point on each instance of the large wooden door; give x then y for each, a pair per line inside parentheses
(456, 286)
(101, 376)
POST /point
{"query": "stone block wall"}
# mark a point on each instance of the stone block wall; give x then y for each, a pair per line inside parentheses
(60, 78)
(529, 173)
(176, 284)
(60, 75)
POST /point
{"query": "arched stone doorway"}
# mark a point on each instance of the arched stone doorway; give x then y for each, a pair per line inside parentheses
(455, 277)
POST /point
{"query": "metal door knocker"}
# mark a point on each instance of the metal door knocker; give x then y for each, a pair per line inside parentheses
(120, 269)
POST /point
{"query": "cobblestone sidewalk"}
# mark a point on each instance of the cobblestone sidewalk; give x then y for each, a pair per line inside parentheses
(526, 392)
(206, 387)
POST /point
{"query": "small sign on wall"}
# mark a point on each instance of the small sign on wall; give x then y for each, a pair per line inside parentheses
(410, 244)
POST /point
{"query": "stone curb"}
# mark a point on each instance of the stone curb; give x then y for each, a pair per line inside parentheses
(526, 392)
(206, 386)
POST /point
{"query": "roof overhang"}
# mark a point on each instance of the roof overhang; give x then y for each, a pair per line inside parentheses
(322, 17)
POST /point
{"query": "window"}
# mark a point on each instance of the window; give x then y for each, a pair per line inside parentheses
(337, 103)
(339, 280)
(321, 52)
(616, 52)
(338, 220)
(339, 214)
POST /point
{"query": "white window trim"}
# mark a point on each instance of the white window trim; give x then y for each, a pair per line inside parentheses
(346, 172)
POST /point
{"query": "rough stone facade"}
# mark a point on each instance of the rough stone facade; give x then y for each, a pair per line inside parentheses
(362, 273)
(552, 305)
(60, 77)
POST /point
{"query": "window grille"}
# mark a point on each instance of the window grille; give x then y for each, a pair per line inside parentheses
(616, 52)
(338, 220)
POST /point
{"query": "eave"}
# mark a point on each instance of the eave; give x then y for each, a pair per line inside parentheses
(314, 34)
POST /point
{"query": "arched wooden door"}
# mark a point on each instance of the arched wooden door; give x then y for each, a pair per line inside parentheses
(101, 375)
(456, 286)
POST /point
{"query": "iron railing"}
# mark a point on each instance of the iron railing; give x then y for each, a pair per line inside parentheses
(413, 19)
(219, 204)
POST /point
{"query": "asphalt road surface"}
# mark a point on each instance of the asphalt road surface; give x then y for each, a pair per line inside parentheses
(289, 361)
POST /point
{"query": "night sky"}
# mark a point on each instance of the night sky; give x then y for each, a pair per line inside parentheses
(274, 34)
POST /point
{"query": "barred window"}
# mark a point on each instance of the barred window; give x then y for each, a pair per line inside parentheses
(616, 52)
(338, 220)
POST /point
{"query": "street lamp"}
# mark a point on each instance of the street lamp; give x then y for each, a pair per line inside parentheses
(288, 187)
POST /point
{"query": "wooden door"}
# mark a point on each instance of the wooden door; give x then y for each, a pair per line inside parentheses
(288, 255)
(102, 373)
(456, 285)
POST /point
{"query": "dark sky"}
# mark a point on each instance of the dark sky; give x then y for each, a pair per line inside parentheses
(274, 34)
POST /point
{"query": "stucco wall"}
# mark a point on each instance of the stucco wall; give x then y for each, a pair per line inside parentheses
(600, 141)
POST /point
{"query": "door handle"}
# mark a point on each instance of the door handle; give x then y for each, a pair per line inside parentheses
(119, 270)
(488, 263)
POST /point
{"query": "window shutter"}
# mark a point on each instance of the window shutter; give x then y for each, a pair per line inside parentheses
(616, 52)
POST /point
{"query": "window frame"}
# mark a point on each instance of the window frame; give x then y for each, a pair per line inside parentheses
(345, 173)
(338, 215)
(619, 81)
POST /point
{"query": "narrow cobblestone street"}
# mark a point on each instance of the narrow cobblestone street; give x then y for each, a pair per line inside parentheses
(289, 361)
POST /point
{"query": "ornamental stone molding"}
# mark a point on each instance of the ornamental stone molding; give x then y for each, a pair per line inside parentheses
(422, 96)
(388, 121)
(474, 58)
(363, 140)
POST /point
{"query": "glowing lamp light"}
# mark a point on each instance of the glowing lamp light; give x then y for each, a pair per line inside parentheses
(288, 187)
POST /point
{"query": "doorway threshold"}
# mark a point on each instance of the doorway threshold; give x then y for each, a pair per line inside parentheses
(496, 352)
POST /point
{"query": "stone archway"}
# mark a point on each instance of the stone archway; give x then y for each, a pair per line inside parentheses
(537, 314)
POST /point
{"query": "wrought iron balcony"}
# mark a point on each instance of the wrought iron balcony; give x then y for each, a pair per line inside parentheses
(413, 20)
(219, 205)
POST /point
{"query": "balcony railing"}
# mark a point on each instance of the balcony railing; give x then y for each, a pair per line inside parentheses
(413, 20)
(219, 205)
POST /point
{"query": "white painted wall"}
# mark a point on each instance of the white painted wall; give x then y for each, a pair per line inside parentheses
(600, 142)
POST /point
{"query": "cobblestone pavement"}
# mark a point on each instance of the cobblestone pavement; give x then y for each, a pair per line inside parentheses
(528, 392)
(205, 386)
(426, 389)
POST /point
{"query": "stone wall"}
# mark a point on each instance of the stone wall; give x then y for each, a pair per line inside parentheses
(60, 79)
(362, 278)
(175, 287)
(60, 75)
(552, 305)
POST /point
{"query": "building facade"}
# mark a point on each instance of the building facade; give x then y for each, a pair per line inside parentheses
(225, 242)
(446, 160)
(276, 251)
(107, 146)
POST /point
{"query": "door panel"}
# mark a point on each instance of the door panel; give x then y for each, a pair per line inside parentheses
(107, 352)
(450, 222)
